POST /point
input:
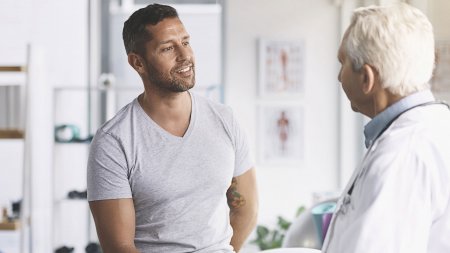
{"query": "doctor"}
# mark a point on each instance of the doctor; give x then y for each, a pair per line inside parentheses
(397, 201)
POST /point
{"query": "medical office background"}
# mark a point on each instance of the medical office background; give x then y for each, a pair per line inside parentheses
(65, 72)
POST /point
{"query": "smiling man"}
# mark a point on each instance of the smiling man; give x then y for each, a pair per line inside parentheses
(171, 172)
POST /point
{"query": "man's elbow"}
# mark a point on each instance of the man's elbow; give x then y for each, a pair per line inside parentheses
(247, 213)
(119, 248)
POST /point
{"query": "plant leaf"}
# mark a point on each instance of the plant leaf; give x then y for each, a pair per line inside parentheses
(300, 210)
(262, 231)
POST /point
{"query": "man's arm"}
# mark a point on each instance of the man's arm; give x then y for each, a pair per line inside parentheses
(243, 202)
(115, 223)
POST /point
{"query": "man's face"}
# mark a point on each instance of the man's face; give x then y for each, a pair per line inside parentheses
(351, 81)
(169, 57)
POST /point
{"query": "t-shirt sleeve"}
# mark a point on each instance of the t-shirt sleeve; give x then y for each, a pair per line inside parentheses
(243, 159)
(107, 170)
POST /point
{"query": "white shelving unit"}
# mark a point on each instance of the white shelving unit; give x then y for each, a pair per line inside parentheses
(15, 175)
(73, 223)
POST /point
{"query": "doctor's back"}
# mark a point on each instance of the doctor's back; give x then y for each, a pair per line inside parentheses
(398, 199)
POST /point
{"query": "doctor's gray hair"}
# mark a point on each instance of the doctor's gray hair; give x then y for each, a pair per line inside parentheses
(397, 40)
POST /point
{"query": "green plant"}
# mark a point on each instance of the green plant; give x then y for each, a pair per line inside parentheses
(273, 238)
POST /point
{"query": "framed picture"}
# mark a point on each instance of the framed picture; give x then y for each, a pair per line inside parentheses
(280, 137)
(440, 83)
(281, 67)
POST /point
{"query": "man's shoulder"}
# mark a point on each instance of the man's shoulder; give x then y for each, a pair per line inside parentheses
(424, 123)
(206, 101)
(122, 120)
(416, 134)
(217, 108)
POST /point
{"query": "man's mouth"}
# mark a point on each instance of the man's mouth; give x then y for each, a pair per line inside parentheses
(184, 69)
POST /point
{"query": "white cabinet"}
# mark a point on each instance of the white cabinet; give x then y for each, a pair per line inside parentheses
(72, 221)
(71, 216)
(9, 241)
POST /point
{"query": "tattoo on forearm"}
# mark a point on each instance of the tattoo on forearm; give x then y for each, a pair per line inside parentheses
(235, 199)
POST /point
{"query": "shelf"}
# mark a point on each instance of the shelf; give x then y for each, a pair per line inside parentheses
(11, 134)
(13, 225)
(13, 75)
(15, 148)
(13, 69)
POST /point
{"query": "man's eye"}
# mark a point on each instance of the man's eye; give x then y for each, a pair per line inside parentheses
(167, 49)
(186, 43)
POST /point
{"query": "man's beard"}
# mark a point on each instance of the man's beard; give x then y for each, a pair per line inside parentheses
(170, 82)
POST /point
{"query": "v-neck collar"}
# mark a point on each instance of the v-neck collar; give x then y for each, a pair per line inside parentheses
(164, 132)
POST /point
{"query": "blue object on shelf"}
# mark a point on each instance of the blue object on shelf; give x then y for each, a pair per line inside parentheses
(69, 133)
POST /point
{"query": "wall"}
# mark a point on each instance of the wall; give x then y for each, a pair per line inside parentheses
(283, 189)
(439, 13)
(57, 33)
(60, 34)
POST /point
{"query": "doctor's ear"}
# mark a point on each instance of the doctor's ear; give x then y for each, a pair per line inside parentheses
(137, 62)
(369, 77)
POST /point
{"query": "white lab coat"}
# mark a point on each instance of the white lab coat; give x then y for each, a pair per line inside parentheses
(400, 200)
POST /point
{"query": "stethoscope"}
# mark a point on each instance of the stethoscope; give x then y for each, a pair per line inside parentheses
(345, 201)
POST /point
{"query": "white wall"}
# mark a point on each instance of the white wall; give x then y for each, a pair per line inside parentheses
(439, 13)
(283, 189)
(57, 33)
(60, 34)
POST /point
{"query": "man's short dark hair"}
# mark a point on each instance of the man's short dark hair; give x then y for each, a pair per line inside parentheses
(134, 31)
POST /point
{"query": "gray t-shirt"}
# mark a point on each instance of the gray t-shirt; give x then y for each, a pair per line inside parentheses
(178, 184)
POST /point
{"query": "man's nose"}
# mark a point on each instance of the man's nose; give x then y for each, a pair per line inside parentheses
(184, 54)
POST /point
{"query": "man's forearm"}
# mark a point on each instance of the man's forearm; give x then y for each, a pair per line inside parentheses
(242, 199)
(243, 215)
(243, 222)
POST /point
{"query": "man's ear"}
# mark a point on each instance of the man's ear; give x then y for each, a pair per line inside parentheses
(137, 63)
(368, 75)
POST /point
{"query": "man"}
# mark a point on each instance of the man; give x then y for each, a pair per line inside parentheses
(398, 199)
(160, 171)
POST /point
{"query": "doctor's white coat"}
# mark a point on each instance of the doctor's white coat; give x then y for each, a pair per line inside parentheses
(400, 202)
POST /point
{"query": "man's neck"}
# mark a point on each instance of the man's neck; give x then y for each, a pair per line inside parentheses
(171, 111)
(382, 100)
